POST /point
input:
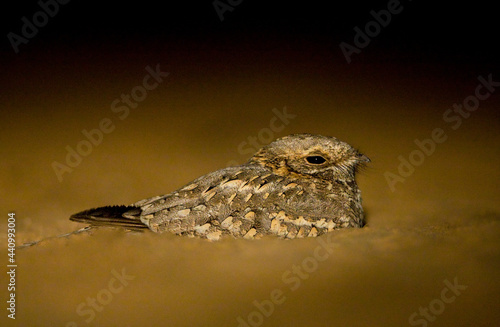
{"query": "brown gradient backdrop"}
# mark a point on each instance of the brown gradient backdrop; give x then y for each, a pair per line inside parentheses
(441, 223)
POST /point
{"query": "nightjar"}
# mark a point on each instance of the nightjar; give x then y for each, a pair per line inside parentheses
(301, 185)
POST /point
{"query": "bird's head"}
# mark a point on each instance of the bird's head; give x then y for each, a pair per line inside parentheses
(308, 155)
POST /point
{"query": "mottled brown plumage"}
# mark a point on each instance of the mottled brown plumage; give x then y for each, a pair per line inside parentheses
(300, 185)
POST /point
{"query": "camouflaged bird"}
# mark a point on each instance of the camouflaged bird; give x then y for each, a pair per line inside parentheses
(300, 185)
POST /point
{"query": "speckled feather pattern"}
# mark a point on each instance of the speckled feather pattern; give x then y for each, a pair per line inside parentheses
(277, 192)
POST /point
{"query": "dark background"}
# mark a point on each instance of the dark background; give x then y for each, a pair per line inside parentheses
(443, 33)
(225, 79)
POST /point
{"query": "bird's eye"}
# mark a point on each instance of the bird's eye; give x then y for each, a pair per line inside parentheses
(317, 160)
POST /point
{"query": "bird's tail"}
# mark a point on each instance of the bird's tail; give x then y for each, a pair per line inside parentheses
(119, 216)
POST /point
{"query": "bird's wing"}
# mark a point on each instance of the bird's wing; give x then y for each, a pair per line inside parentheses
(243, 201)
(330, 204)
(202, 206)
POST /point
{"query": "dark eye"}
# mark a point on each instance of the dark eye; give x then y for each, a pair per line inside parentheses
(317, 160)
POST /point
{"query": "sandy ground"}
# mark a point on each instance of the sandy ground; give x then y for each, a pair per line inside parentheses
(430, 254)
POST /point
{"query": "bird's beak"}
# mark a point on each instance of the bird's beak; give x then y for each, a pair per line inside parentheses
(363, 158)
